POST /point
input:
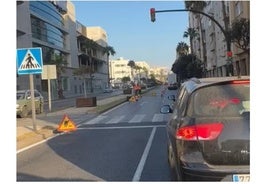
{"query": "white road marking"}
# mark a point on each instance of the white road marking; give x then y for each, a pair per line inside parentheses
(120, 127)
(137, 118)
(140, 167)
(158, 118)
(95, 120)
(115, 120)
(114, 108)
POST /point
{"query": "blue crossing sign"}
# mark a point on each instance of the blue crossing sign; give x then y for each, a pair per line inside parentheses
(29, 61)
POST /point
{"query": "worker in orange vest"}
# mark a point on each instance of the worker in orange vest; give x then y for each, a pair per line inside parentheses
(136, 89)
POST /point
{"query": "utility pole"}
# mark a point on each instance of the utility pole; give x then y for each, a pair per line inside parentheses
(226, 33)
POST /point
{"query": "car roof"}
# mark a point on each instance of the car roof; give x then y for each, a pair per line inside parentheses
(194, 83)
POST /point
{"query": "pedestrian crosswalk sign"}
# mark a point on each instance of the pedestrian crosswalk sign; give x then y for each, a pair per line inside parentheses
(66, 125)
(29, 61)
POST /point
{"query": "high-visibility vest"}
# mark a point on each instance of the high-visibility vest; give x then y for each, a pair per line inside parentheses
(136, 87)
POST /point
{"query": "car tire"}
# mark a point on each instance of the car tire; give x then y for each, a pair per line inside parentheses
(38, 110)
(24, 112)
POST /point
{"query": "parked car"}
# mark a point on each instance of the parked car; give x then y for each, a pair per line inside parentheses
(209, 130)
(173, 86)
(108, 90)
(24, 104)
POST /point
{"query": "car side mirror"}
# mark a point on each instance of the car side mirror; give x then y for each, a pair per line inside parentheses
(172, 97)
(165, 109)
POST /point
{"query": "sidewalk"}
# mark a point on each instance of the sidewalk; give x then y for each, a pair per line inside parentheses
(46, 124)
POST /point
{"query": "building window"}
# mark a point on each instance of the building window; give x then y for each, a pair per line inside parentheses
(46, 32)
(65, 83)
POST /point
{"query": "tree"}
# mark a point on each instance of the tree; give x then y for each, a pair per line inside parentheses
(109, 50)
(191, 33)
(125, 79)
(198, 5)
(187, 66)
(240, 34)
(61, 63)
(138, 68)
(84, 71)
(131, 64)
(182, 48)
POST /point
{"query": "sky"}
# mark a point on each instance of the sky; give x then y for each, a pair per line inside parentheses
(130, 31)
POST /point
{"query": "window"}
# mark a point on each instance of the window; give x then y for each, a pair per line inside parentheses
(221, 100)
(65, 83)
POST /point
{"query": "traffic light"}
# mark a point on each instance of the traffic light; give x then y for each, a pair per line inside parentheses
(152, 13)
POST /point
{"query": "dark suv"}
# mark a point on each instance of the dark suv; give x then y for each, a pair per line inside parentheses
(209, 130)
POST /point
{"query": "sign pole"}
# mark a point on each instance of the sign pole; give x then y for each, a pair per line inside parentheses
(49, 94)
(49, 72)
(33, 101)
(29, 61)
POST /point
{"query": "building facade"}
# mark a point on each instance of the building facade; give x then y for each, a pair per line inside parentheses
(139, 74)
(52, 25)
(210, 46)
(241, 59)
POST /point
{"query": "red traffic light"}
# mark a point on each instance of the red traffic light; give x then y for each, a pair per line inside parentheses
(152, 13)
(229, 54)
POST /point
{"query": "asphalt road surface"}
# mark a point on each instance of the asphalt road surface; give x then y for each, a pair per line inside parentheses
(127, 143)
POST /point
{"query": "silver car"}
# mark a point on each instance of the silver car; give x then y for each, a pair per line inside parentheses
(24, 106)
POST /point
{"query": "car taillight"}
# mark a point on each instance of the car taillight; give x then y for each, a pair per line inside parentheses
(241, 82)
(208, 131)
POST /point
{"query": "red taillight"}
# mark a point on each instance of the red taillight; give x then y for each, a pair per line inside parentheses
(208, 131)
(240, 82)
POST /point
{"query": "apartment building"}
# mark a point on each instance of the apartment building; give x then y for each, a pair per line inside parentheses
(241, 59)
(119, 69)
(52, 25)
(210, 46)
(160, 73)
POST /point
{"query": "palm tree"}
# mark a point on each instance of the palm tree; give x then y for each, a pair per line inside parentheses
(191, 33)
(199, 5)
(109, 50)
(138, 68)
(182, 48)
(131, 64)
(196, 5)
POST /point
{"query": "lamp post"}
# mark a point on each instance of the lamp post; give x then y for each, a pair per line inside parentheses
(225, 32)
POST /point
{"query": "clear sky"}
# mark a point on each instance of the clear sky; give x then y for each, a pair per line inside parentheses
(130, 30)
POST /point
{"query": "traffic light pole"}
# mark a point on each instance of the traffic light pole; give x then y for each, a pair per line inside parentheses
(225, 32)
(226, 35)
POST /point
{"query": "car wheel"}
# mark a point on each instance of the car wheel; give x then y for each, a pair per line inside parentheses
(24, 112)
(41, 108)
(38, 110)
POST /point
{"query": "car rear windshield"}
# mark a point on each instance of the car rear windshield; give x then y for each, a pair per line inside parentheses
(221, 100)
